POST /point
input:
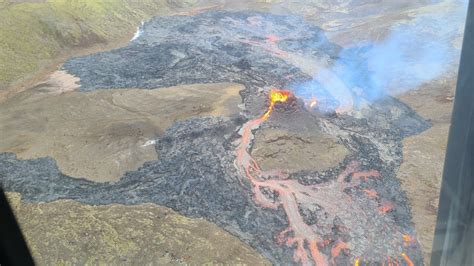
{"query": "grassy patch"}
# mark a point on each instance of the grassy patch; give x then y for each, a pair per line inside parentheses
(32, 33)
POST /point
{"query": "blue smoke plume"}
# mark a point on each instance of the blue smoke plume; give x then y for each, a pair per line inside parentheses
(412, 54)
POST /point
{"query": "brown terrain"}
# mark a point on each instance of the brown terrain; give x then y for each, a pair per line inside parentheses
(101, 135)
(295, 151)
(67, 232)
(423, 155)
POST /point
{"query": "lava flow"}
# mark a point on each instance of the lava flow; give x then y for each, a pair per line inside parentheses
(330, 196)
(269, 45)
(275, 97)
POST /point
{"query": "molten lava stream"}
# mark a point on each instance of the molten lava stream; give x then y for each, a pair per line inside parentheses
(269, 46)
(291, 193)
(303, 234)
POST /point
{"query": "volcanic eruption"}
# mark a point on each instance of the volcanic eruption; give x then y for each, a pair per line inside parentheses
(275, 189)
(351, 211)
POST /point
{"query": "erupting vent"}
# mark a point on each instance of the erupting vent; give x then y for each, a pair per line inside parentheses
(351, 211)
(275, 189)
(276, 96)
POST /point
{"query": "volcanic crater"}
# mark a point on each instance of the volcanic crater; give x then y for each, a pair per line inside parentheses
(350, 212)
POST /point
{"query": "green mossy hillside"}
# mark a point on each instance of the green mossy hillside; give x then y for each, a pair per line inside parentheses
(32, 33)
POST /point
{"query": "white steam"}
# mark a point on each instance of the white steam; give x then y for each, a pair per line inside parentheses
(138, 32)
(414, 52)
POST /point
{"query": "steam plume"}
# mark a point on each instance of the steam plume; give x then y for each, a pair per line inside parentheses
(414, 52)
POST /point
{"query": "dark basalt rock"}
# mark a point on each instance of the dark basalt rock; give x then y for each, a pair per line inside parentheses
(195, 174)
(205, 48)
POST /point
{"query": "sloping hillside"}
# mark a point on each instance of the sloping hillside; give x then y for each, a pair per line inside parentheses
(34, 33)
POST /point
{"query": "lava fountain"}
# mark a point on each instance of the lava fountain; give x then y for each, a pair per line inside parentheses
(331, 196)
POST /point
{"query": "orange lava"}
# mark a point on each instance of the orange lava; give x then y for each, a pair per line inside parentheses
(275, 97)
(407, 260)
(393, 262)
(357, 262)
(273, 39)
(408, 240)
(311, 103)
(336, 250)
(386, 207)
(286, 189)
(290, 193)
(371, 193)
(390, 262)
(366, 174)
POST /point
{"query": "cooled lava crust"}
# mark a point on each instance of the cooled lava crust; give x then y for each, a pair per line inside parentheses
(196, 173)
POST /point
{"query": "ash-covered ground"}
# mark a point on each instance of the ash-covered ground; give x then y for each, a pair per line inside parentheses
(196, 175)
